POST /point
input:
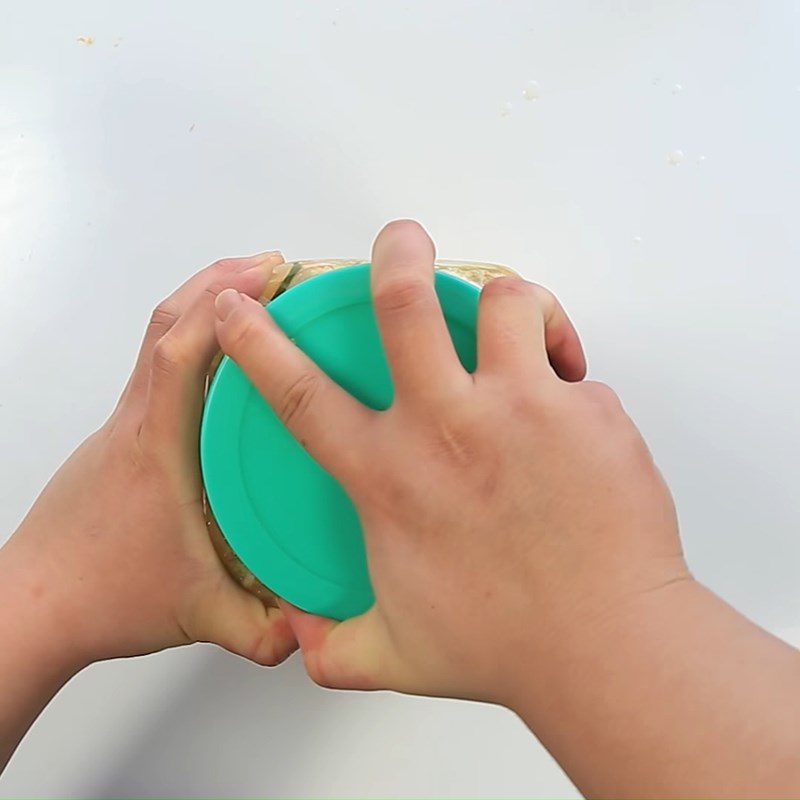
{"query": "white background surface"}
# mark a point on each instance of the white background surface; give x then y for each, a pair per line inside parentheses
(305, 125)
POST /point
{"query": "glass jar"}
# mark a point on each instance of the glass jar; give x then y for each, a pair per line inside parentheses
(283, 278)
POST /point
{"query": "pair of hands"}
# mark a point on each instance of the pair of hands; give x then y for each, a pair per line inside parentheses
(522, 546)
(507, 513)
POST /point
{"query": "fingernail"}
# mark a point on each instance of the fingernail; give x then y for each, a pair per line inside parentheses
(225, 302)
(270, 257)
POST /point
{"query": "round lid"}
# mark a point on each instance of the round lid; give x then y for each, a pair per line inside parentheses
(285, 517)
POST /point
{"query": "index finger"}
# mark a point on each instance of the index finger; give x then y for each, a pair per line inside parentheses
(323, 417)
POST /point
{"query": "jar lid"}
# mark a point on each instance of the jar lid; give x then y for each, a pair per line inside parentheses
(286, 518)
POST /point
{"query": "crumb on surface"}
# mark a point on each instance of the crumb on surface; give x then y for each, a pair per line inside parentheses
(675, 158)
(87, 40)
(531, 91)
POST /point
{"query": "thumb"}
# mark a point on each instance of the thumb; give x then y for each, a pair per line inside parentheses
(240, 623)
(355, 654)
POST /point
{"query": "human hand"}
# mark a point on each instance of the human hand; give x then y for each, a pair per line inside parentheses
(505, 513)
(115, 550)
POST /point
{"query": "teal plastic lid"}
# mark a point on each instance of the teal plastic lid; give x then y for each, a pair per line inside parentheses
(288, 520)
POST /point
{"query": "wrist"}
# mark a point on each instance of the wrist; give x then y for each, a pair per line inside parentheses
(634, 707)
(39, 654)
(40, 613)
(580, 641)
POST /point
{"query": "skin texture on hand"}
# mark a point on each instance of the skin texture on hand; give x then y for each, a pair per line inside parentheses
(496, 535)
(537, 565)
(523, 547)
(114, 558)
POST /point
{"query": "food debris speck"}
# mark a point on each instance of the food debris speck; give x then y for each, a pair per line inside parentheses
(675, 158)
(117, 41)
(191, 127)
(531, 91)
(87, 40)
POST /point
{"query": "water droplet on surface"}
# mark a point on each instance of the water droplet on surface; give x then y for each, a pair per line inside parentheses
(700, 159)
(675, 157)
(531, 91)
(677, 88)
(637, 239)
(506, 109)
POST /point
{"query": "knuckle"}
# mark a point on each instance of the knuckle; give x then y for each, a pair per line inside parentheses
(543, 403)
(225, 266)
(536, 393)
(164, 316)
(318, 669)
(298, 397)
(239, 330)
(624, 445)
(212, 290)
(601, 394)
(525, 404)
(547, 301)
(331, 669)
(168, 356)
(510, 285)
(400, 294)
(270, 658)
